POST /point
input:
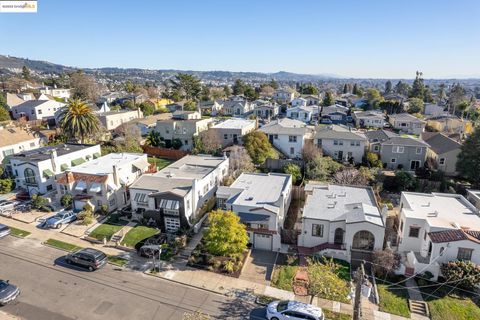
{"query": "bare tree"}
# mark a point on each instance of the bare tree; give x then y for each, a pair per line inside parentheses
(84, 86)
(152, 92)
(350, 176)
(217, 93)
(310, 152)
(240, 161)
(209, 142)
(385, 261)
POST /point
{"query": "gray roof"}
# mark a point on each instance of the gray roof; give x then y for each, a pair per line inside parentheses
(364, 114)
(338, 132)
(191, 167)
(253, 217)
(31, 104)
(160, 184)
(286, 126)
(405, 141)
(334, 109)
(44, 153)
(379, 135)
(405, 117)
(440, 143)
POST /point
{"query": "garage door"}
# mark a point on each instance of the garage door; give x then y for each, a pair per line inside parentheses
(263, 241)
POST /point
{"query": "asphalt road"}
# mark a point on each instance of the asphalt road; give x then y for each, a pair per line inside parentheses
(53, 290)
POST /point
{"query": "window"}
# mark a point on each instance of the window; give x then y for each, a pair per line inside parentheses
(292, 138)
(319, 142)
(186, 142)
(376, 147)
(425, 235)
(335, 142)
(317, 230)
(172, 224)
(49, 187)
(29, 176)
(39, 111)
(141, 198)
(275, 136)
(418, 151)
(8, 152)
(292, 150)
(357, 143)
(32, 144)
(113, 202)
(349, 155)
(225, 136)
(393, 160)
(352, 143)
(441, 161)
(340, 142)
(414, 232)
(464, 254)
(397, 149)
(188, 204)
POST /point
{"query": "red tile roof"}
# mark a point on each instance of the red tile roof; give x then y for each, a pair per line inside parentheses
(454, 235)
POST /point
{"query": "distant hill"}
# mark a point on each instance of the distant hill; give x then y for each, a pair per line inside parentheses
(45, 67)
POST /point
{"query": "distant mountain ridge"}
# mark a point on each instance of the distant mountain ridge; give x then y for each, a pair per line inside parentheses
(9, 63)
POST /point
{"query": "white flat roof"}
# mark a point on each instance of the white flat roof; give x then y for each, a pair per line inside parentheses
(191, 167)
(104, 165)
(234, 123)
(442, 210)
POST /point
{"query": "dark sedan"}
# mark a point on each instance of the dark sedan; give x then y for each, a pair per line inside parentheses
(8, 292)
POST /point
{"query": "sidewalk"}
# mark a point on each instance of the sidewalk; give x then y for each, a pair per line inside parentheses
(43, 234)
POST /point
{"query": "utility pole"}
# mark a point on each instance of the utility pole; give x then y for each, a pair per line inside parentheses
(359, 278)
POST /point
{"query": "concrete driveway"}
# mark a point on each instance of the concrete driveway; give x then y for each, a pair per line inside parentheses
(259, 266)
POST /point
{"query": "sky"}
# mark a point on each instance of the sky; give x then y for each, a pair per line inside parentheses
(349, 38)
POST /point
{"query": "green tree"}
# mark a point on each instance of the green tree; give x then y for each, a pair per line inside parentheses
(468, 162)
(205, 94)
(154, 139)
(78, 121)
(6, 185)
(418, 88)
(250, 93)
(322, 168)
(147, 107)
(258, 147)
(466, 273)
(415, 105)
(329, 99)
(374, 98)
(373, 160)
(356, 90)
(294, 170)
(388, 86)
(345, 88)
(405, 181)
(40, 203)
(308, 89)
(238, 87)
(226, 236)
(227, 91)
(4, 114)
(177, 144)
(187, 85)
(323, 281)
(26, 73)
(402, 88)
(66, 200)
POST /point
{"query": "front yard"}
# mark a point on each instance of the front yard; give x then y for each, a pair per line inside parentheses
(393, 299)
(137, 234)
(108, 229)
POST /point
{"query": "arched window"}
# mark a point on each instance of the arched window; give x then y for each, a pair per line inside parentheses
(30, 176)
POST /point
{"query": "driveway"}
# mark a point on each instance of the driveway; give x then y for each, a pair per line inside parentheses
(259, 266)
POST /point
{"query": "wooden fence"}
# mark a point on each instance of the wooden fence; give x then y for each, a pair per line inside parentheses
(164, 153)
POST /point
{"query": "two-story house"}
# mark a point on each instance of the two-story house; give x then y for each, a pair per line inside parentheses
(113, 119)
(443, 151)
(341, 143)
(305, 114)
(335, 114)
(35, 170)
(407, 123)
(376, 137)
(15, 140)
(436, 228)
(289, 136)
(266, 110)
(232, 130)
(102, 181)
(403, 153)
(344, 222)
(37, 110)
(148, 124)
(237, 106)
(173, 196)
(261, 201)
(283, 96)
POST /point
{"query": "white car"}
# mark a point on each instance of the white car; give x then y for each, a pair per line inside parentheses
(6, 206)
(293, 310)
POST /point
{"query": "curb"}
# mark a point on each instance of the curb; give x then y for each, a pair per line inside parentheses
(19, 237)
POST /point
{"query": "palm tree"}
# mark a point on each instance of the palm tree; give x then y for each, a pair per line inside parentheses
(154, 139)
(78, 121)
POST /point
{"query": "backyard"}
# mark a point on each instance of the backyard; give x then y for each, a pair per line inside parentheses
(136, 234)
(160, 162)
(108, 228)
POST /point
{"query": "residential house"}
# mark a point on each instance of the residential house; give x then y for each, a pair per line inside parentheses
(261, 200)
(173, 196)
(376, 137)
(283, 96)
(313, 100)
(344, 222)
(289, 136)
(335, 114)
(14, 140)
(407, 123)
(212, 107)
(433, 109)
(113, 119)
(436, 228)
(266, 110)
(232, 130)
(474, 197)
(183, 125)
(403, 153)
(369, 119)
(102, 181)
(450, 124)
(299, 102)
(237, 106)
(61, 93)
(15, 99)
(305, 114)
(35, 170)
(37, 110)
(341, 143)
(148, 124)
(443, 151)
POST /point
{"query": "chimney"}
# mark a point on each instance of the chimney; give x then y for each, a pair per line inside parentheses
(116, 180)
(69, 177)
(53, 158)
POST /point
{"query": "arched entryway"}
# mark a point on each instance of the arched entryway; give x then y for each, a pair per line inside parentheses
(338, 238)
(363, 240)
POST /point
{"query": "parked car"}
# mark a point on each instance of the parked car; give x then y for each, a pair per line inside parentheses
(6, 205)
(59, 219)
(8, 292)
(89, 258)
(293, 310)
(151, 246)
(4, 230)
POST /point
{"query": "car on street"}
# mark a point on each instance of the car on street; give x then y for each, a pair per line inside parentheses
(59, 219)
(8, 292)
(6, 205)
(293, 310)
(150, 247)
(89, 258)
(4, 230)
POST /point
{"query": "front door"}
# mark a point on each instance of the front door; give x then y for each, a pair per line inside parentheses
(340, 155)
(414, 164)
(338, 239)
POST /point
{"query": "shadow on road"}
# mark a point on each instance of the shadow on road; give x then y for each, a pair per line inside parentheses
(61, 262)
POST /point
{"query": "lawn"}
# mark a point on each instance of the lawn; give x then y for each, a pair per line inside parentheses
(137, 234)
(118, 261)
(19, 233)
(160, 162)
(283, 276)
(393, 299)
(62, 245)
(107, 229)
(450, 306)
(332, 315)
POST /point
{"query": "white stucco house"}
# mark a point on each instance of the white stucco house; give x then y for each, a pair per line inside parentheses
(341, 143)
(344, 222)
(289, 136)
(62, 93)
(283, 96)
(261, 201)
(303, 113)
(114, 119)
(436, 228)
(37, 109)
(231, 131)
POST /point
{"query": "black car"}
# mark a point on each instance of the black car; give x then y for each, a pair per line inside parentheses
(89, 258)
(150, 246)
(8, 292)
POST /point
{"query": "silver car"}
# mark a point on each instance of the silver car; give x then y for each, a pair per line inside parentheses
(8, 292)
(4, 230)
(293, 310)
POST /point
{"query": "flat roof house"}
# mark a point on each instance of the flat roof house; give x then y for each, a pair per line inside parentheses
(232, 130)
(407, 123)
(102, 181)
(173, 196)
(340, 221)
(35, 170)
(261, 201)
(436, 228)
(341, 143)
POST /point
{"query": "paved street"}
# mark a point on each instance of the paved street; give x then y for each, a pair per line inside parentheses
(54, 291)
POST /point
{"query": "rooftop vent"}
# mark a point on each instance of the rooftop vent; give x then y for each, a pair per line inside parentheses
(331, 196)
(344, 194)
(249, 199)
(455, 225)
(331, 205)
(432, 214)
(426, 204)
